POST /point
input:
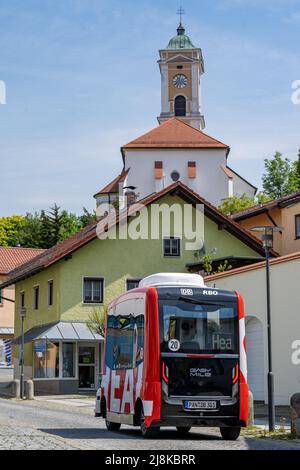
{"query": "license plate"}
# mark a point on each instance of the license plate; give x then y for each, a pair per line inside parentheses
(200, 405)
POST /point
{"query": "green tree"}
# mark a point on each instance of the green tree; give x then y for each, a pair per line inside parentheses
(281, 176)
(58, 225)
(86, 217)
(45, 229)
(235, 204)
(261, 198)
(294, 177)
(9, 227)
(96, 320)
(29, 235)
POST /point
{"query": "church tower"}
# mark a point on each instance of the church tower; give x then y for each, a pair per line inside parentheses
(181, 66)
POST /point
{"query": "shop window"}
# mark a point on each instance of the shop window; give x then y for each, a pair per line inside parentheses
(68, 358)
(93, 290)
(86, 355)
(46, 359)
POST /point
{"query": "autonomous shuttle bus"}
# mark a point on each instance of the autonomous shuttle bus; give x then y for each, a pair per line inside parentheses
(175, 355)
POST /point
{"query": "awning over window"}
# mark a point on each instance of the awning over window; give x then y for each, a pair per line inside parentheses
(67, 331)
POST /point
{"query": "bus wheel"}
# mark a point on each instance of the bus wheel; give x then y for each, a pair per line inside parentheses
(112, 426)
(183, 429)
(230, 434)
(147, 433)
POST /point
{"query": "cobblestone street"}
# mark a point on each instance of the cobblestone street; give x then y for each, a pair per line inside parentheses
(41, 424)
(12, 438)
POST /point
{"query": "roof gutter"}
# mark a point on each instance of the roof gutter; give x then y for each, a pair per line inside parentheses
(21, 278)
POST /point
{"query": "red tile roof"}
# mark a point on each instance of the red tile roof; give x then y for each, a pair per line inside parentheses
(253, 267)
(11, 257)
(175, 133)
(113, 186)
(290, 199)
(227, 171)
(84, 236)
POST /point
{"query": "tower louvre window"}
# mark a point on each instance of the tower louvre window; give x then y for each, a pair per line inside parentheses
(180, 67)
(158, 170)
(180, 106)
(192, 171)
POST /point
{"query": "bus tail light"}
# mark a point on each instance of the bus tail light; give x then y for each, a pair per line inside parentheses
(235, 374)
(165, 373)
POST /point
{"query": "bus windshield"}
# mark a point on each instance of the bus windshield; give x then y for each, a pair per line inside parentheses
(198, 327)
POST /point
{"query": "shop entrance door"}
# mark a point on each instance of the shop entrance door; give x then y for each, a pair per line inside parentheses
(86, 366)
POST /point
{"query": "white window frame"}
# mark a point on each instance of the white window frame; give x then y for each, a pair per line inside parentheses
(163, 246)
(99, 278)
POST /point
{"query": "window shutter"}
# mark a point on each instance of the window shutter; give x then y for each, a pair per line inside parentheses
(192, 170)
(158, 170)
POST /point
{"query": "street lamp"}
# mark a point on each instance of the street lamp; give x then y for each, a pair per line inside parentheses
(22, 315)
(267, 239)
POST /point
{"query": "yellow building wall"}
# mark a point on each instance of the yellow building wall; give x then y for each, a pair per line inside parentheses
(285, 242)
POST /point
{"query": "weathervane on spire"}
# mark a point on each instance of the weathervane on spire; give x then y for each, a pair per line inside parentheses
(180, 12)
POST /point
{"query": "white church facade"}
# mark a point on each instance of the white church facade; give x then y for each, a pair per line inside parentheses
(178, 149)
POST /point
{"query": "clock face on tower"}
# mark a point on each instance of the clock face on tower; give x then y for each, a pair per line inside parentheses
(180, 81)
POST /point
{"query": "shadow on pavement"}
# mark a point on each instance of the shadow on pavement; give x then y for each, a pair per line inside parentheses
(97, 433)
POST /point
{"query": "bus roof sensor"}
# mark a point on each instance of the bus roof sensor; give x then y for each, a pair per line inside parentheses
(172, 279)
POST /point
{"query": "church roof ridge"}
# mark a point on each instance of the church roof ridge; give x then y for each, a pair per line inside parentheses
(175, 133)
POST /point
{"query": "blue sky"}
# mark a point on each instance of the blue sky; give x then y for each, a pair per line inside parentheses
(82, 80)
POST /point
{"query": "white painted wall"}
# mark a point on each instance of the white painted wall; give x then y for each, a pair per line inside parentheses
(285, 307)
(241, 187)
(211, 182)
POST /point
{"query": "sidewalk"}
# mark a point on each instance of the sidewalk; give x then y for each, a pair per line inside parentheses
(282, 416)
(6, 374)
(82, 400)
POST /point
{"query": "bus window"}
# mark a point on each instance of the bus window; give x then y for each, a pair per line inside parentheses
(119, 342)
(138, 354)
(199, 328)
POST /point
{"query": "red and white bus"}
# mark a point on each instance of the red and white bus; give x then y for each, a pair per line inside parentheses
(175, 355)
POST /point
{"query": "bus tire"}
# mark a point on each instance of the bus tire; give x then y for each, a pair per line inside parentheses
(112, 426)
(147, 433)
(183, 429)
(230, 434)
